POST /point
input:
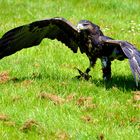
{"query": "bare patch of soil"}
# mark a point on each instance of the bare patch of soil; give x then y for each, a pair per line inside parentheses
(55, 98)
(4, 77)
(4, 117)
(28, 125)
(62, 136)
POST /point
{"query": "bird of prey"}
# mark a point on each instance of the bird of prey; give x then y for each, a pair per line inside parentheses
(86, 36)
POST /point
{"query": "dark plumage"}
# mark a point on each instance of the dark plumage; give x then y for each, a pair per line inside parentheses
(86, 36)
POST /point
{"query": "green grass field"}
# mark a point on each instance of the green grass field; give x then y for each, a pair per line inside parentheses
(39, 99)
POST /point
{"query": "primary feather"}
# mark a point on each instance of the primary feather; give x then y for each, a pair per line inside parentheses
(32, 34)
(131, 53)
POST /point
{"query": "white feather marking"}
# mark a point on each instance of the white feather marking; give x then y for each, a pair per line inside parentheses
(104, 62)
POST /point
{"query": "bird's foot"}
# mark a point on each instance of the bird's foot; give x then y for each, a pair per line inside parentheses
(83, 75)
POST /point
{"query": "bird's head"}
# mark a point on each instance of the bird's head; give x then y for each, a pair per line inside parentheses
(87, 26)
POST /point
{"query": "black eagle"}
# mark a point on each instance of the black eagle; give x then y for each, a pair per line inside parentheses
(86, 36)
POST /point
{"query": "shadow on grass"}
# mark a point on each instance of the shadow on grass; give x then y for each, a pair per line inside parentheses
(38, 76)
(121, 82)
(31, 77)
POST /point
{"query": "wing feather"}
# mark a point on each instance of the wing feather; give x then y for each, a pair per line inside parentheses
(32, 34)
(131, 53)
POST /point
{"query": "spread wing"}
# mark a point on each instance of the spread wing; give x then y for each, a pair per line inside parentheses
(131, 53)
(32, 34)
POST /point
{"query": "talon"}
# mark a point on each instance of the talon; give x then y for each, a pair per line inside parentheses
(83, 75)
(87, 77)
(80, 72)
(78, 77)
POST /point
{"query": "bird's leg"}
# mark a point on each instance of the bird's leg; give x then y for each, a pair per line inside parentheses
(106, 68)
(85, 75)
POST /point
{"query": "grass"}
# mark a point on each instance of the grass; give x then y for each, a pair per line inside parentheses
(29, 76)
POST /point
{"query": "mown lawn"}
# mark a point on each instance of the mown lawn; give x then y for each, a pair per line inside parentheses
(39, 99)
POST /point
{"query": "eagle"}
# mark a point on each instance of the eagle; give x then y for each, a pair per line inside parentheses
(85, 36)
